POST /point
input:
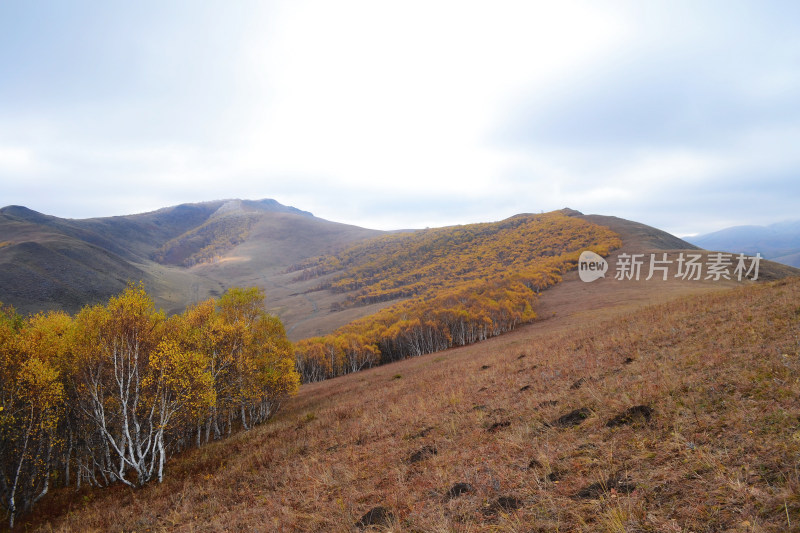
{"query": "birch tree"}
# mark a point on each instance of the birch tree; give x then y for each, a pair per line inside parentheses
(116, 343)
(31, 399)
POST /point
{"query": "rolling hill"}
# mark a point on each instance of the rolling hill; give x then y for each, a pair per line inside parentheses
(612, 405)
(190, 252)
(650, 405)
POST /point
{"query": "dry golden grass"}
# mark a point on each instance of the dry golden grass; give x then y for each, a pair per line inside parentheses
(720, 452)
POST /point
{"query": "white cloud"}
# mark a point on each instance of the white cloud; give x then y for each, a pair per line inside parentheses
(16, 160)
(406, 114)
(403, 97)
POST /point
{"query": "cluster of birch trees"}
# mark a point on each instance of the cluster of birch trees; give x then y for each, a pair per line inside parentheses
(420, 326)
(108, 395)
(458, 285)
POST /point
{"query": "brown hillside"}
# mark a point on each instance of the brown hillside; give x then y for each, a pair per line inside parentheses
(628, 406)
(573, 298)
(308, 314)
(681, 416)
(275, 242)
(640, 236)
(52, 263)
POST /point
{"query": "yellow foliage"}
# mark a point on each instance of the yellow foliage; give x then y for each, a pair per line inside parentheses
(458, 285)
(118, 388)
(183, 376)
(31, 405)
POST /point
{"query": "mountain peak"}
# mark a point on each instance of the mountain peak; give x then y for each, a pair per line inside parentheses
(265, 205)
(24, 213)
(268, 204)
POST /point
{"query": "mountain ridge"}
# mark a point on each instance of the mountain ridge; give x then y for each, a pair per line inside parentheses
(108, 252)
(190, 252)
(779, 242)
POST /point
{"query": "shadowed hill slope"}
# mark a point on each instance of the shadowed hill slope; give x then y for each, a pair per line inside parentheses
(51, 263)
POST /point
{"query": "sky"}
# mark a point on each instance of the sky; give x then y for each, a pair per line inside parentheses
(683, 115)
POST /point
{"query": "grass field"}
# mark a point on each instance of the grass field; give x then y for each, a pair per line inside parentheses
(680, 416)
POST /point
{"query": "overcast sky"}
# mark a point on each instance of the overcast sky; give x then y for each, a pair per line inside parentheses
(682, 115)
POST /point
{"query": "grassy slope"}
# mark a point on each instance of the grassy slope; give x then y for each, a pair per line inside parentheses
(52, 263)
(277, 241)
(720, 452)
(45, 269)
(372, 274)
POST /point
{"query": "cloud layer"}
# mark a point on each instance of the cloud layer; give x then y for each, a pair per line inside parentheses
(677, 114)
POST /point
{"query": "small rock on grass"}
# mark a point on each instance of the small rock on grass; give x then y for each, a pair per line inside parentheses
(377, 516)
(458, 489)
(578, 384)
(503, 504)
(497, 426)
(637, 413)
(617, 483)
(573, 418)
(423, 453)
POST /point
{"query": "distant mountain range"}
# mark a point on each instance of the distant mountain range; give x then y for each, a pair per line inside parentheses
(778, 242)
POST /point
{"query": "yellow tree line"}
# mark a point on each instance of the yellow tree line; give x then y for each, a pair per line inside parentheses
(462, 284)
(107, 396)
